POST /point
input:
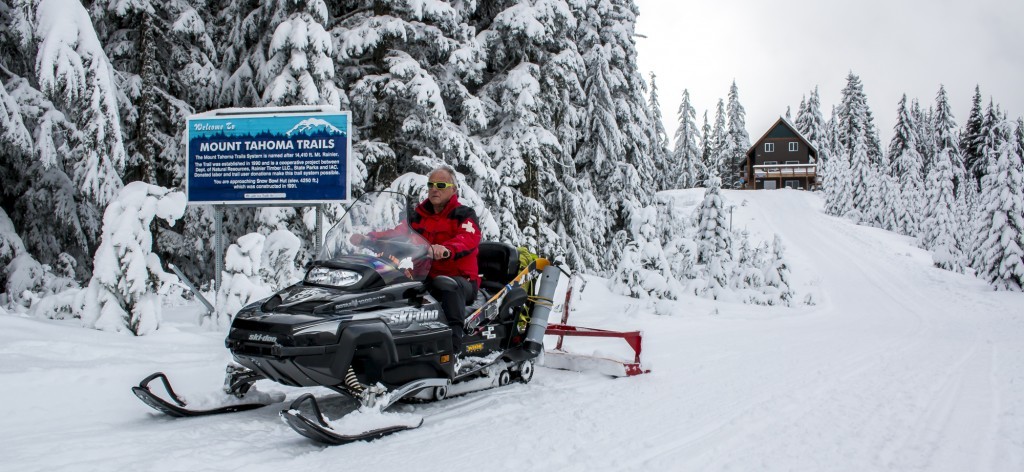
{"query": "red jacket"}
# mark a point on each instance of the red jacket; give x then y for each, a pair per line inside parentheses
(456, 228)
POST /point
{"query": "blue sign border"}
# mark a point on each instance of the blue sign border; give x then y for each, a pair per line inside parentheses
(275, 156)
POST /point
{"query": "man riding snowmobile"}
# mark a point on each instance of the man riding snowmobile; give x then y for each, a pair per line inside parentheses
(453, 232)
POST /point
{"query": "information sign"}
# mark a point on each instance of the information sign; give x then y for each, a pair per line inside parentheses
(268, 156)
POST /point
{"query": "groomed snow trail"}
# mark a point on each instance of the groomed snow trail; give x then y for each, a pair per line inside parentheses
(898, 367)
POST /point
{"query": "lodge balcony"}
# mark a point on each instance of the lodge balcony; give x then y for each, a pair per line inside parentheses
(781, 171)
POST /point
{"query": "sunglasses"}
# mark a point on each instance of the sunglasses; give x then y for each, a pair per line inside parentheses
(439, 185)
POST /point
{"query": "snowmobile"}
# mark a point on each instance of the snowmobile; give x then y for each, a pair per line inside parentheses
(363, 323)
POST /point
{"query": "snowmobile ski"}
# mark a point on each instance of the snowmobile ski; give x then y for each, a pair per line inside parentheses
(320, 431)
(179, 409)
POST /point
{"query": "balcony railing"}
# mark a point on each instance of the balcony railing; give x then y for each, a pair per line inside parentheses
(785, 170)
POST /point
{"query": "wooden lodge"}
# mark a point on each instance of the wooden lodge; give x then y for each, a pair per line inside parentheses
(781, 158)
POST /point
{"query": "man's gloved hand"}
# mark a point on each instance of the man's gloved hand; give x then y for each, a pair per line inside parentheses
(438, 251)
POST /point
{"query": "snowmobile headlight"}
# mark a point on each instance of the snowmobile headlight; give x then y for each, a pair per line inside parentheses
(332, 277)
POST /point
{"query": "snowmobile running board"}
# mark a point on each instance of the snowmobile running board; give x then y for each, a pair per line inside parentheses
(179, 408)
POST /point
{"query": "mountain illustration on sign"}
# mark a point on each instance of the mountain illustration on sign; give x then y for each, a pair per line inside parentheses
(312, 125)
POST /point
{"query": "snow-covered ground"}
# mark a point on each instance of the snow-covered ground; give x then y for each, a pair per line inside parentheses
(898, 366)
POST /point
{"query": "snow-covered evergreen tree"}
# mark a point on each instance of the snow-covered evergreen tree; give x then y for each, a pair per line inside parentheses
(717, 141)
(838, 186)
(748, 272)
(299, 61)
(644, 271)
(889, 202)
(687, 154)
(971, 139)
(59, 77)
(713, 237)
(967, 208)
(277, 267)
(991, 138)
(1000, 249)
(73, 70)
(926, 136)
(596, 157)
(939, 227)
(946, 136)
(737, 140)
(856, 122)
(1020, 134)
(667, 167)
(776, 275)
(707, 152)
(810, 123)
(241, 283)
(127, 276)
(904, 137)
(11, 245)
(862, 182)
(906, 167)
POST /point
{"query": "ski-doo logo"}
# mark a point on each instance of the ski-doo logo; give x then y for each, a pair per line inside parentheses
(410, 315)
(263, 338)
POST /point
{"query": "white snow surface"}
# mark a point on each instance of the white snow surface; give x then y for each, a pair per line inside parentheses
(899, 366)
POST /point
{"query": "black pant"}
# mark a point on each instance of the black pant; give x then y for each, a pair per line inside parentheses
(454, 293)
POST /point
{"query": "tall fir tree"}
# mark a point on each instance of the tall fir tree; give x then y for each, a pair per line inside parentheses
(862, 181)
(299, 61)
(925, 134)
(1020, 135)
(854, 118)
(707, 151)
(717, 141)
(687, 154)
(906, 167)
(946, 136)
(939, 228)
(714, 240)
(737, 140)
(810, 123)
(667, 167)
(991, 138)
(57, 73)
(838, 185)
(971, 139)
(1000, 252)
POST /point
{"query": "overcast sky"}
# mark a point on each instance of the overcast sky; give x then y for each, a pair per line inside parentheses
(778, 51)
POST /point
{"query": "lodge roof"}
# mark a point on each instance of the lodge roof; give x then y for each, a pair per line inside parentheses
(771, 128)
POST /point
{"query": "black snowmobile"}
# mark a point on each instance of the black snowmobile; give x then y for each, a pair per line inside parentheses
(363, 324)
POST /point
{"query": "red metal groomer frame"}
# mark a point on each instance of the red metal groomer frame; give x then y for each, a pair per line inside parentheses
(633, 338)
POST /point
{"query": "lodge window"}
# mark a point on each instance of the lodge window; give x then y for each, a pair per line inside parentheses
(793, 146)
(769, 147)
(792, 162)
(795, 184)
(771, 163)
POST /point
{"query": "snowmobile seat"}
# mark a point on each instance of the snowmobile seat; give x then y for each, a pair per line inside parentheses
(498, 264)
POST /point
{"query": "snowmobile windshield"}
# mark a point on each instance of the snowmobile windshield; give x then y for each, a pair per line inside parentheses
(375, 230)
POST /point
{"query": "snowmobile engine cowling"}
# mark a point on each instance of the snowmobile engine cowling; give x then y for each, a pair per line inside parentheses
(542, 310)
